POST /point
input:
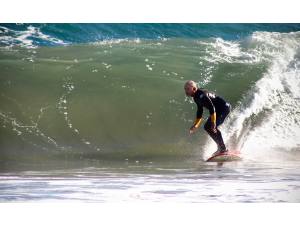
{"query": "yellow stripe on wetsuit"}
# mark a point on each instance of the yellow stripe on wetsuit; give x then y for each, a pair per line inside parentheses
(197, 122)
(213, 118)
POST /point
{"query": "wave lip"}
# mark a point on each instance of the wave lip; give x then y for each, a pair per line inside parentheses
(268, 117)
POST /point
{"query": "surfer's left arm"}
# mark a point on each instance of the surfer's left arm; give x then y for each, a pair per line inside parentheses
(195, 125)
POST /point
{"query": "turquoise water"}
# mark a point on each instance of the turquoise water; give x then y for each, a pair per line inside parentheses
(68, 34)
(96, 103)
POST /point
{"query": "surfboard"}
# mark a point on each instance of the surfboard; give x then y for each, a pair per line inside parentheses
(225, 157)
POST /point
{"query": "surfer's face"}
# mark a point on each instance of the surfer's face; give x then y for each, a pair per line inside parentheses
(190, 90)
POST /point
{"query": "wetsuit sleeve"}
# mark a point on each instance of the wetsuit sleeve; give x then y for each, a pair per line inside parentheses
(209, 105)
(198, 116)
(199, 111)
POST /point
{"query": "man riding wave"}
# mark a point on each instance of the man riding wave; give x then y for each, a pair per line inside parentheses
(218, 109)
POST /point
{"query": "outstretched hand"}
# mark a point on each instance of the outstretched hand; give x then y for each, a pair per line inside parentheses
(193, 129)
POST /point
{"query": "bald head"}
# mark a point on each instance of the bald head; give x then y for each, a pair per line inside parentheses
(190, 83)
(190, 87)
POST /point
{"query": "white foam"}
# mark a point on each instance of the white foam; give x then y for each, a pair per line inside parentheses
(24, 38)
(106, 65)
(149, 67)
(116, 41)
(24, 130)
(221, 51)
(269, 115)
(63, 109)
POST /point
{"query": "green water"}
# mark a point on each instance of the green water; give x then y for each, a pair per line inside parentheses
(124, 99)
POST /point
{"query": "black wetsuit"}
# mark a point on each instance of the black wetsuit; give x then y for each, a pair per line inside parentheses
(215, 104)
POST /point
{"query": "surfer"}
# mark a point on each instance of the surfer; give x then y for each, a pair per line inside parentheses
(218, 109)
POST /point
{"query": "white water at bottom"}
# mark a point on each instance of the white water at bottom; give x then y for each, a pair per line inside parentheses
(243, 182)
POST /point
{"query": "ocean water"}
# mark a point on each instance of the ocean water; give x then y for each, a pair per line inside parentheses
(97, 112)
